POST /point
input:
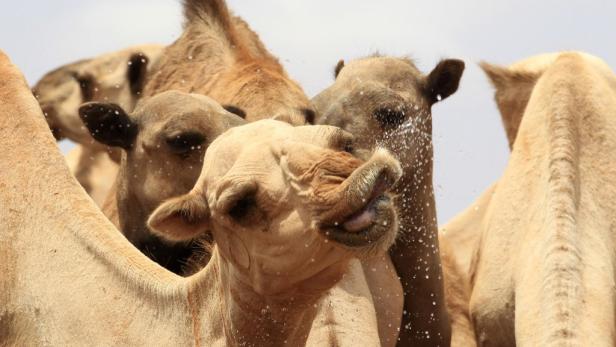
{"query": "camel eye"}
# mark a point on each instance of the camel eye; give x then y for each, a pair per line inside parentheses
(242, 207)
(235, 110)
(185, 143)
(86, 85)
(390, 116)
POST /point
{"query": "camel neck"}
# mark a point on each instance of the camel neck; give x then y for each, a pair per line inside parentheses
(250, 318)
(416, 257)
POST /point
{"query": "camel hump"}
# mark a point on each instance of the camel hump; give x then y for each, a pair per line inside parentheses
(210, 12)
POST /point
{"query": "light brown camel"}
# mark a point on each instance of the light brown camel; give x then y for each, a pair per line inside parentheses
(460, 236)
(70, 278)
(116, 77)
(386, 102)
(172, 130)
(538, 256)
(163, 142)
(318, 199)
(219, 56)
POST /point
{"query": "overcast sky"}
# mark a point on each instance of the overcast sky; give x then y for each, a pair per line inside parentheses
(310, 36)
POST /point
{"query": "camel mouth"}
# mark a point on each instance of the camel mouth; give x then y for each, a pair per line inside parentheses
(365, 216)
(372, 221)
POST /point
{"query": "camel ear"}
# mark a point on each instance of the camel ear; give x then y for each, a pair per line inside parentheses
(338, 67)
(137, 69)
(109, 124)
(503, 78)
(182, 218)
(498, 75)
(444, 79)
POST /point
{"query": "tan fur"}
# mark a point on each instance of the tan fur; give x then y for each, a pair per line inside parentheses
(149, 171)
(270, 172)
(385, 102)
(94, 170)
(459, 239)
(219, 56)
(60, 96)
(513, 86)
(512, 94)
(543, 267)
(72, 278)
(325, 178)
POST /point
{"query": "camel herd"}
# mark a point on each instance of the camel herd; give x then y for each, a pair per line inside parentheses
(210, 202)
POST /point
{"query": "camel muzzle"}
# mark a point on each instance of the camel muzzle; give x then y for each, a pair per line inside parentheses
(368, 214)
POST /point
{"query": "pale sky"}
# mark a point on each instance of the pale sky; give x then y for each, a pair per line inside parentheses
(310, 36)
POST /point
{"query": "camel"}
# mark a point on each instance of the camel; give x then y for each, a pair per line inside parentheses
(513, 86)
(536, 260)
(218, 55)
(263, 291)
(116, 77)
(163, 142)
(315, 201)
(386, 102)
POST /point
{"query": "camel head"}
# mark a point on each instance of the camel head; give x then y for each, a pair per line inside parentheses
(116, 77)
(262, 90)
(163, 142)
(287, 206)
(231, 65)
(387, 101)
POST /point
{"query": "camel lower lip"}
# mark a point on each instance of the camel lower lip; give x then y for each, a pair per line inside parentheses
(366, 216)
(379, 224)
(363, 218)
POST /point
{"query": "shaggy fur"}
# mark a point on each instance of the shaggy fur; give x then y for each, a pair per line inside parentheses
(219, 56)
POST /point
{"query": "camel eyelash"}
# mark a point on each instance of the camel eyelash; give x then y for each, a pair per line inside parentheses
(184, 143)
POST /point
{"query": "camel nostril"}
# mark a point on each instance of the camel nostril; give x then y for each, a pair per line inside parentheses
(382, 183)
